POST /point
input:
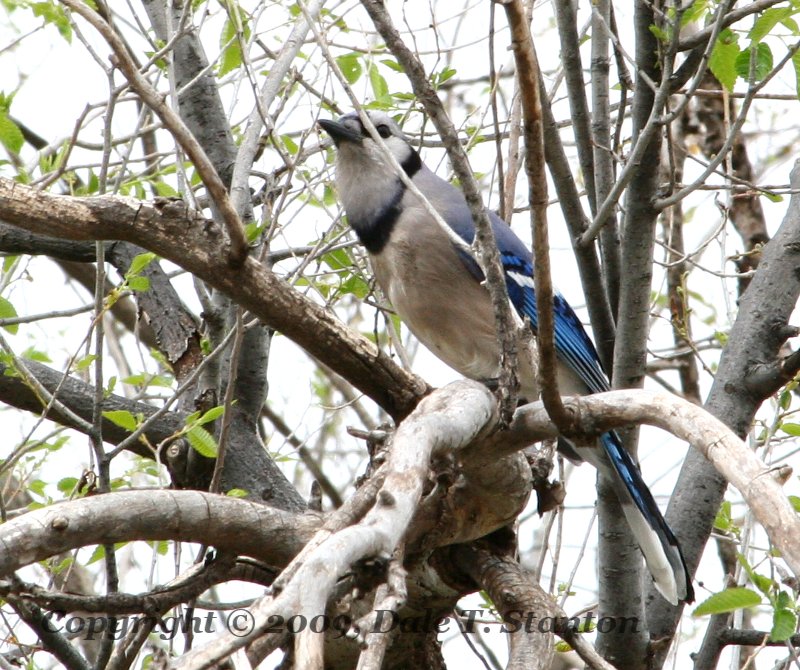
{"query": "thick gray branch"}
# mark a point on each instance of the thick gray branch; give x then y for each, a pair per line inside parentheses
(230, 524)
(755, 340)
(179, 234)
(250, 469)
(713, 441)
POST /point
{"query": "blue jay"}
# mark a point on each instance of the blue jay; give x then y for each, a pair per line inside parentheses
(436, 288)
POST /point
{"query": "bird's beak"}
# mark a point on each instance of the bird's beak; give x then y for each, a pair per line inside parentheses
(340, 132)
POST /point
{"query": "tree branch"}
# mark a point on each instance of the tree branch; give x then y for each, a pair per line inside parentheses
(252, 470)
(447, 419)
(513, 590)
(713, 441)
(230, 524)
(238, 246)
(484, 236)
(181, 235)
(755, 338)
(529, 78)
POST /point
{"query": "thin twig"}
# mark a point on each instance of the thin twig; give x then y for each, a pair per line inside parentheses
(529, 78)
(488, 254)
(227, 416)
(238, 246)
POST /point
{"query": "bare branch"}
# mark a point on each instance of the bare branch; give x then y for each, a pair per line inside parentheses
(447, 419)
(529, 78)
(181, 235)
(756, 337)
(240, 191)
(238, 246)
(759, 485)
(513, 590)
(240, 526)
(484, 236)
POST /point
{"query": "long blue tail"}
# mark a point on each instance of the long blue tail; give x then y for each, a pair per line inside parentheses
(585, 374)
(661, 550)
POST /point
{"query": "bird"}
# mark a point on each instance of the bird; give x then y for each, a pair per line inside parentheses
(437, 288)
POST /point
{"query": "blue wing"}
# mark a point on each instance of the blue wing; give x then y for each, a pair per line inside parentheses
(575, 350)
(573, 345)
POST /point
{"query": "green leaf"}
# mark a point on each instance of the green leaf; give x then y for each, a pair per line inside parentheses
(202, 441)
(767, 21)
(211, 415)
(728, 601)
(92, 184)
(36, 486)
(161, 547)
(290, 144)
(784, 623)
(58, 443)
(160, 63)
(356, 286)
(796, 66)
(253, 231)
(194, 416)
(122, 418)
(98, 553)
(723, 58)
(444, 75)
(660, 34)
(763, 62)
(67, 485)
(55, 15)
(231, 57)
(784, 601)
(762, 583)
(328, 196)
(350, 65)
(8, 263)
(85, 362)
(165, 190)
(58, 568)
(10, 135)
(795, 502)
(31, 354)
(393, 65)
(723, 521)
(380, 89)
(138, 283)
(148, 380)
(7, 311)
(237, 493)
(791, 429)
(694, 13)
(338, 259)
(140, 262)
(791, 26)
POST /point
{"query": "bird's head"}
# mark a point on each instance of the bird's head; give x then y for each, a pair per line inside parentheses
(359, 153)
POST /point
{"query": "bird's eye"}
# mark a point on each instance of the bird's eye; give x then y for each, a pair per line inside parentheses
(383, 130)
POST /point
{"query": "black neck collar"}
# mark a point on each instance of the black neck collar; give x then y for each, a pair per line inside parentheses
(374, 231)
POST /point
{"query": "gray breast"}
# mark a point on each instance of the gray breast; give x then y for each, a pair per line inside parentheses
(437, 298)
